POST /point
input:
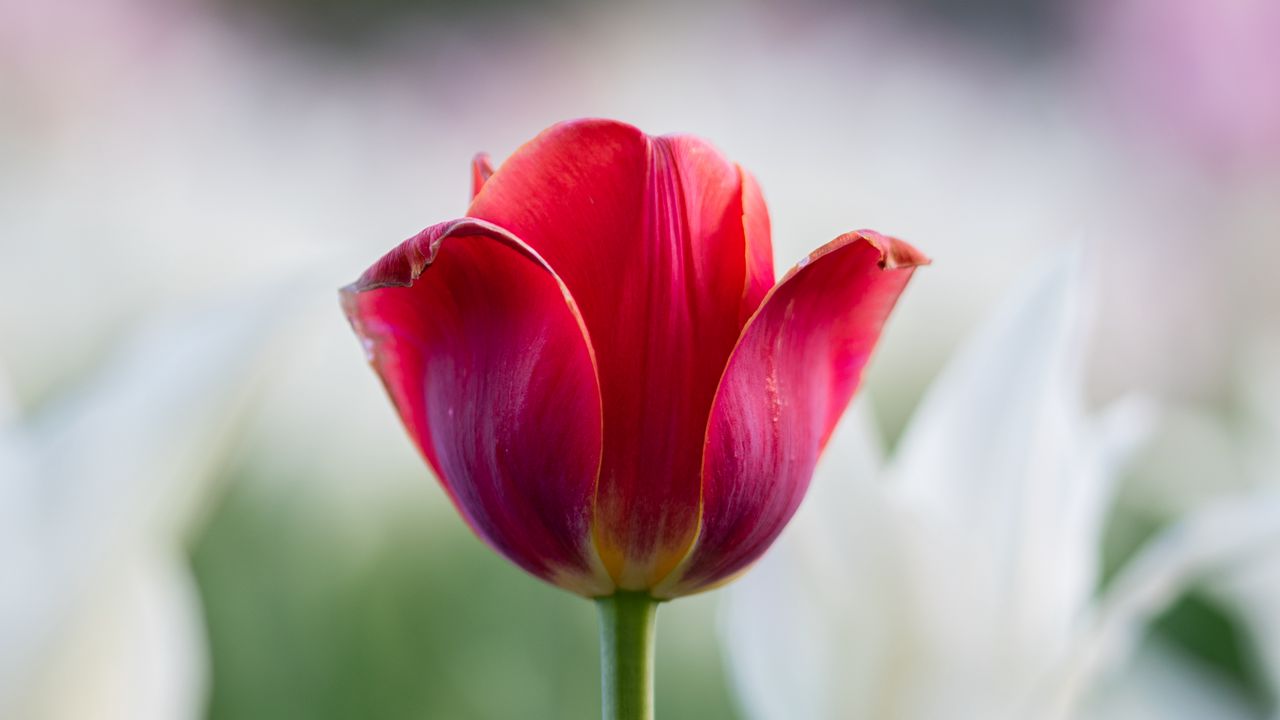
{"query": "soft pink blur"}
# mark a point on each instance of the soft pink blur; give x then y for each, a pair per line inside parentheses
(1201, 73)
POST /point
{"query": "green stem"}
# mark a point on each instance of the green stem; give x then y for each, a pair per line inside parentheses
(627, 622)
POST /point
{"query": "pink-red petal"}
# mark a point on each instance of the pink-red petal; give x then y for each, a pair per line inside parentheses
(650, 235)
(486, 359)
(790, 378)
(481, 169)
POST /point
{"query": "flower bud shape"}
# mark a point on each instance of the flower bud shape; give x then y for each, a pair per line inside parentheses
(600, 368)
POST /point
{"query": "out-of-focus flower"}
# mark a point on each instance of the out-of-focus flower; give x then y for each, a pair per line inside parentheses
(1226, 544)
(599, 367)
(98, 613)
(958, 581)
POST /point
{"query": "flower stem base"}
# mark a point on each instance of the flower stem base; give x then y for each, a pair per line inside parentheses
(627, 623)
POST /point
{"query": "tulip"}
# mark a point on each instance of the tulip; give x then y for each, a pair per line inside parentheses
(597, 363)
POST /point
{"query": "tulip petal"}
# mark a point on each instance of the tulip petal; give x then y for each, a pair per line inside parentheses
(481, 169)
(789, 379)
(486, 359)
(665, 248)
(758, 238)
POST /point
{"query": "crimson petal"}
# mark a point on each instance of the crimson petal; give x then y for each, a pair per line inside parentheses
(486, 358)
(665, 247)
(790, 378)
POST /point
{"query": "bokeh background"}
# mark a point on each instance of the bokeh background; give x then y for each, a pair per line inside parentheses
(160, 158)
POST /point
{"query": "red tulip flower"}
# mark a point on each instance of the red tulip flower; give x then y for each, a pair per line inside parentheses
(600, 368)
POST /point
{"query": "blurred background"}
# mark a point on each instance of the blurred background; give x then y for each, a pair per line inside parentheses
(248, 514)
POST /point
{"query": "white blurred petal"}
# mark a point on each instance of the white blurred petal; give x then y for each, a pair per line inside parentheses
(787, 624)
(136, 653)
(133, 448)
(1002, 464)
(775, 636)
(1121, 429)
(1224, 536)
(8, 402)
(115, 471)
(1161, 684)
(1193, 459)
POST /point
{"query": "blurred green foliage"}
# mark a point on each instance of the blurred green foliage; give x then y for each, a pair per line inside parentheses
(311, 619)
(1205, 630)
(1216, 637)
(422, 621)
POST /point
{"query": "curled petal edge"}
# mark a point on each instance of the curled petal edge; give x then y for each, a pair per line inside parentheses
(402, 267)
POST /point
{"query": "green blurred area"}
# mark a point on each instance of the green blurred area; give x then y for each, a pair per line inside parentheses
(421, 622)
(1197, 625)
(397, 611)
